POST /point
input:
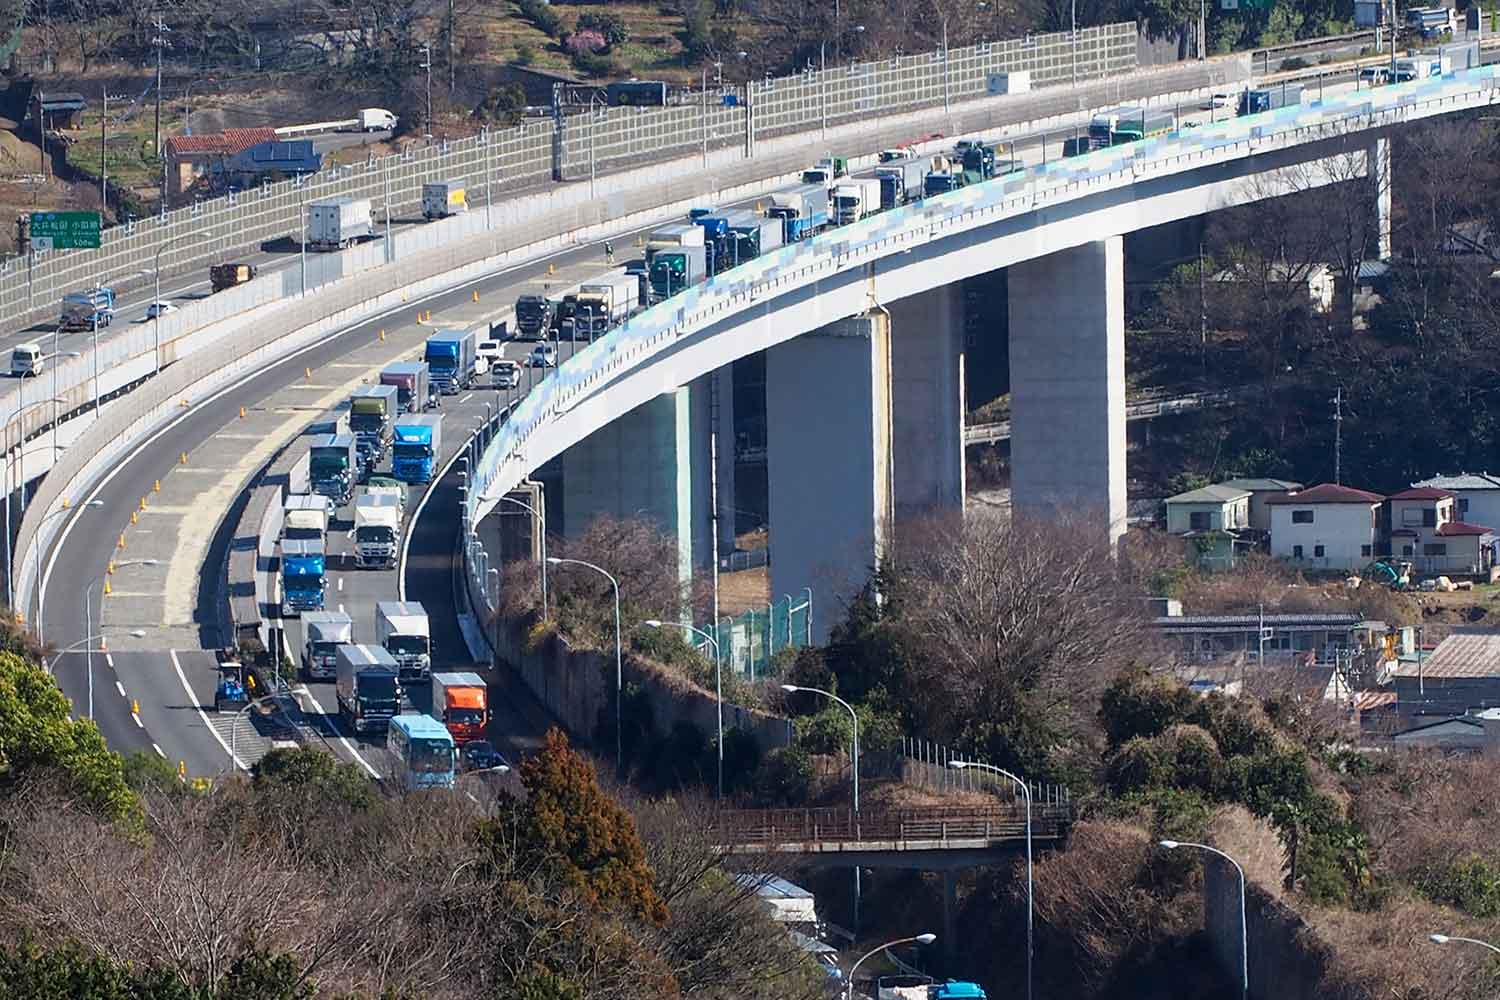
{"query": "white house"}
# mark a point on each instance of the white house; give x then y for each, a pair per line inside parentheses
(1326, 526)
(1212, 508)
(1426, 528)
(1476, 496)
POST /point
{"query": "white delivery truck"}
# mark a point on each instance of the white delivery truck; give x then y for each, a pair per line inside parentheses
(377, 530)
(855, 198)
(305, 517)
(26, 359)
(401, 627)
(376, 120)
(324, 632)
(337, 222)
(605, 303)
(396, 492)
(441, 199)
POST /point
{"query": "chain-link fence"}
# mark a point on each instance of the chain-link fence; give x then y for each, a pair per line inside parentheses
(499, 162)
(749, 641)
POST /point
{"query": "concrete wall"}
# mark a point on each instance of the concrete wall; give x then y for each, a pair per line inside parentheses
(575, 686)
(1067, 376)
(829, 459)
(927, 400)
(1287, 961)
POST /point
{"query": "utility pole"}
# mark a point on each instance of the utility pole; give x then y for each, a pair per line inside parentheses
(159, 41)
(104, 153)
(451, 77)
(1202, 314)
(1338, 431)
(427, 65)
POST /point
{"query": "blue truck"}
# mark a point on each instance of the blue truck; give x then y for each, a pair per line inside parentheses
(1283, 95)
(900, 181)
(303, 576)
(332, 464)
(803, 211)
(450, 357)
(418, 443)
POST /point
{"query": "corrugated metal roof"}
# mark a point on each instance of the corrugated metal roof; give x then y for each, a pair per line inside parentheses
(1266, 485)
(1463, 481)
(1369, 701)
(1210, 494)
(1466, 654)
(1333, 619)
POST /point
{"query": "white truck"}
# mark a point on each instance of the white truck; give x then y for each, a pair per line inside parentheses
(398, 493)
(401, 627)
(375, 120)
(855, 198)
(377, 530)
(441, 199)
(337, 222)
(323, 633)
(605, 304)
(304, 517)
(27, 359)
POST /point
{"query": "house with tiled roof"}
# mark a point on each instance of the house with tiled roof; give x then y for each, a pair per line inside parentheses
(1425, 529)
(1476, 496)
(189, 157)
(1326, 527)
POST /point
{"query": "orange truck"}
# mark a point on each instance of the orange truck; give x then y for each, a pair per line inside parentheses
(461, 702)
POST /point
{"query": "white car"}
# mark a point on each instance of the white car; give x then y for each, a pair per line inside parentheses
(157, 309)
(1221, 100)
(490, 350)
(542, 356)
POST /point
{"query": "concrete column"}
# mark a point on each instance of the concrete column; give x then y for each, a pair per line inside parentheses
(643, 465)
(723, 401)
(927, 400)
(1380, 177)
(950, 915)
(828, 460)
(1067, 376)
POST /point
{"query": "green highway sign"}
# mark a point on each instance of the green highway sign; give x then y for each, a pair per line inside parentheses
(65, 230)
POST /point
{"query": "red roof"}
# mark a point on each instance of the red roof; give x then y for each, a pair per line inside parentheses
(227, 142)
(1327, 493)
(1463, 528)
(1421, 493)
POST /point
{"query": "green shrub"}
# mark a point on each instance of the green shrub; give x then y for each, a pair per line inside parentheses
(542, 16)
(595, 64)
(786, 777)
(611, 26)
(1295, 62)
(830, 731)
(1471, 884)
(1238, 725)
(525, 54)
(1139, 765)
(1138, 703)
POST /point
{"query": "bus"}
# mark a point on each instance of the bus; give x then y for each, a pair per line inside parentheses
(423, 750)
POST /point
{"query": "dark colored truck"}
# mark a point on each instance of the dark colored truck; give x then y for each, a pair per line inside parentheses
(533, 317)
(223, 276)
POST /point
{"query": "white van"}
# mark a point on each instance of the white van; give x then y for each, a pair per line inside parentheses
(25, 360)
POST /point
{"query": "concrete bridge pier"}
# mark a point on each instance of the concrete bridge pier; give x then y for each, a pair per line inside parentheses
(828, 459)
(1067, 376)
(1379, 170)
(927, 400)
(653, 461)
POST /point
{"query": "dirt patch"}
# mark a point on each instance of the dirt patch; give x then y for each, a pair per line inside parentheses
(744, 589)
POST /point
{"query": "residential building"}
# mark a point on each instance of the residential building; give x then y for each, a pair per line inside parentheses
(190, 157)
(1260, 489)
(1426, 530)
(1321, 635)
(1477, 732)
(284, 157)
(1462, 674)
(1212, 508)
(1476, 495)
(1329, 527)
(57, 110)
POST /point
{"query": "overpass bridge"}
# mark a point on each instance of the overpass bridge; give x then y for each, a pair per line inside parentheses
(1142, 409)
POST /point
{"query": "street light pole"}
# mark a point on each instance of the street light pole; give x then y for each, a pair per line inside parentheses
(922, 939)
(88, 617)
(1075, 43)
(10, 481)
(41, 591)
(1172, 845)
(793, 689)
(1448, 939)
(1030, 903)
(718, 684)
(156, 295)
(619, 673)
(427, 65)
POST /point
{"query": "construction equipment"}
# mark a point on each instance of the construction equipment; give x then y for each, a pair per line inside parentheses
(1393, 573)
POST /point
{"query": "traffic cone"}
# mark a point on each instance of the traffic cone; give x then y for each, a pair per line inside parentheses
(183, 459)
(133, 517)
(476, 295)
(143, 503)
(551, 268)
(108, 590)
(156, 486)
(121, 543)
(382, 335)
(242, 413)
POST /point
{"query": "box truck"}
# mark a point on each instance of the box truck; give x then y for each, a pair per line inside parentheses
(605, 303)
(451, 357)
(369, 688)
(441, 199)
(338, 222)
(460, 701)
(401, 627)
(854, 199)
(323, 633)
(413, 391)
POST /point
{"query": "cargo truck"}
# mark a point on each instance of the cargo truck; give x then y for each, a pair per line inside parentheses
(854, 199)
(413, 390)
(369, 689)
(803, 211)
(375, 120)
(372, 414)
(386, 486)
(947, 174)
(563, 311)
(675, 258)
(303, 579)
(441, 199)
(979, 163)
(401, 627)
(331, 464)
(1283, 95)
(304, 518)
(450, 357)
(605, 304)
(323, 633)
(533, 317)
(377, 530)
(1139, 123)
(826, 171)
(900, 182)
(337, 222)
(715, 238)
(1102, 126)
(83, 310)
(460, 701)
(753, 235)
(222, 276)
(418, 444)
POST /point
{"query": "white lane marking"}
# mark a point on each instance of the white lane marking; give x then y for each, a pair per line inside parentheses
(159, 752)
(333, 723)
(120, 688)
(466, 398)
(341, 585)
(138, 723)
(110, 659)
(341, 609)
(193, 699)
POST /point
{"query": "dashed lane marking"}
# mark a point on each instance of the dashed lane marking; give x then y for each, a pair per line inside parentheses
(120, 688)
(159, 752)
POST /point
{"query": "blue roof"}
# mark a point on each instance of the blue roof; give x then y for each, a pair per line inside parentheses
(951, 991)
(422, 727)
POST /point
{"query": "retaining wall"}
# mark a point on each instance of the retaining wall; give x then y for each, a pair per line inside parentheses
(1287, 959)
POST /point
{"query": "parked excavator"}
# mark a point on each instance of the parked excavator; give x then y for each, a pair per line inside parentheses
(1393, 573)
